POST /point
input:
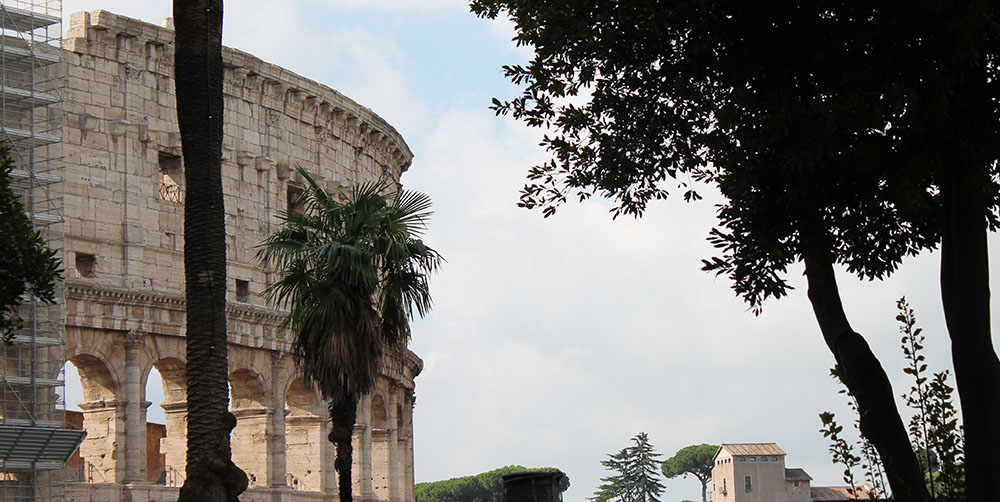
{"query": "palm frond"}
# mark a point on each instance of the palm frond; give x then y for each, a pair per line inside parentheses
(351, 275)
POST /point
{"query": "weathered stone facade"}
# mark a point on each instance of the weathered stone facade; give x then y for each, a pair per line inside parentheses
(124, 189)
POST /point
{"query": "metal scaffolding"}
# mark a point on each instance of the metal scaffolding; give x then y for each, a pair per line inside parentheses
(34, 442)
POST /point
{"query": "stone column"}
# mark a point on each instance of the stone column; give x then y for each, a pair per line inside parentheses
(103, 450)
(380, 463)
(327, 456)
(277, 462)
(362, 441)
(356, 461)
(135, 412)
(250, 443)
(393, 424)
(174, 446)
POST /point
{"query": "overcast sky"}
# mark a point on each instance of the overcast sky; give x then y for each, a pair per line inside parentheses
(553, 341)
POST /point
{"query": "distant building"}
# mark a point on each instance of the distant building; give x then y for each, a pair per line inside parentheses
(756, 472)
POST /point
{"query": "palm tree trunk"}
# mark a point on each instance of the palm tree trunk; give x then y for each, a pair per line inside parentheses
(211, 474)
(866, 380)
(343, 415)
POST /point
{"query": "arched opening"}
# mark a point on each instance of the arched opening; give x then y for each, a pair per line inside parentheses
(305, 437)
(247, 400)
(91, 405)
(166, 422)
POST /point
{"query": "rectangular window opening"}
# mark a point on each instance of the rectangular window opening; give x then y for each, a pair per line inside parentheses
(171, 177)
(746, 480)
(294, 198)
(242, 290)
(86, 265)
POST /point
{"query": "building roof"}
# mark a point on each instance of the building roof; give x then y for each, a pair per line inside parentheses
(796, 474)
(751, 449)
(839, 493)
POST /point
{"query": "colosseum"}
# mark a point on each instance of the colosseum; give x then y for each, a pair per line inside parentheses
(124, 291)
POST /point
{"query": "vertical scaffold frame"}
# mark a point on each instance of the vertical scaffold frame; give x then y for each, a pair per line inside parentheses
(34, 442)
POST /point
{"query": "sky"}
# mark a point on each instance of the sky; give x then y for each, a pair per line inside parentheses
(554, 341)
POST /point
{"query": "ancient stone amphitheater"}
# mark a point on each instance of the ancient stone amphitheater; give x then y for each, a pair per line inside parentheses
(124, 190)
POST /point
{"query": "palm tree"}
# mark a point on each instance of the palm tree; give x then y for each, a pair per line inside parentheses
(211, 473)
(351, 274)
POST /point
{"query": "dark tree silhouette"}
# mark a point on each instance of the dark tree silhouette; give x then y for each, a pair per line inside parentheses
(857, 147)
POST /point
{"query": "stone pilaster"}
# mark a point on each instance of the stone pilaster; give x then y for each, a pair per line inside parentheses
(365, 452)
(409, 402)
(393, 463)
(103, 450)
(135, 412)
(356, 460)
(250, 443)
(327, 457)
(174, 446)
(306, 465)
(277, 461)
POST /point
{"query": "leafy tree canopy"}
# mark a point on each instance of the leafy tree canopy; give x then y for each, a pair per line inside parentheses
(858, 147)
(695, 460)
(482, 487)
(29, 266)
(803, 134)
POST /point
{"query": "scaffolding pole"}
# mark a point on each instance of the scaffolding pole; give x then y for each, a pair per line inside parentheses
(34, 442)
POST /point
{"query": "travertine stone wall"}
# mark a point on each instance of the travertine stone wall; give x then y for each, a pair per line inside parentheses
(125, 293)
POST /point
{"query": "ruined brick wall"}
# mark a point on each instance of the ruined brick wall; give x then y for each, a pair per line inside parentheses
(124, 191)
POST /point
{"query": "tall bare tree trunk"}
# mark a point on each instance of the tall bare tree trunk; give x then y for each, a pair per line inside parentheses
(211, 474)
(866, 380)
(965, 282)
(344, 415)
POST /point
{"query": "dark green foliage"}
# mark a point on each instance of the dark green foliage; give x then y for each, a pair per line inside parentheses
(350, 274)
(858, 148)
(29, 266)
(637, 478)
(695, 460)
(934, 429)
(742, 94)
(483, 487)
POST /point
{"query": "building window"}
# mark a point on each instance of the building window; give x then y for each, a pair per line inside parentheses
(741, 459)
(795, 484)
(774, 459)
(746, 481)
(763, 459)
(294, 198)
(753, 459)
(242, 291)
(171, 178)
(723, 486)
(86, 265)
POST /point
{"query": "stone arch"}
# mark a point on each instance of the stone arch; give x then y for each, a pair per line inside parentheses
(305, 437)
(248, 400)
(169, 468)
(96, 380)
(246, 390)
(302, 398)
(103, 419)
